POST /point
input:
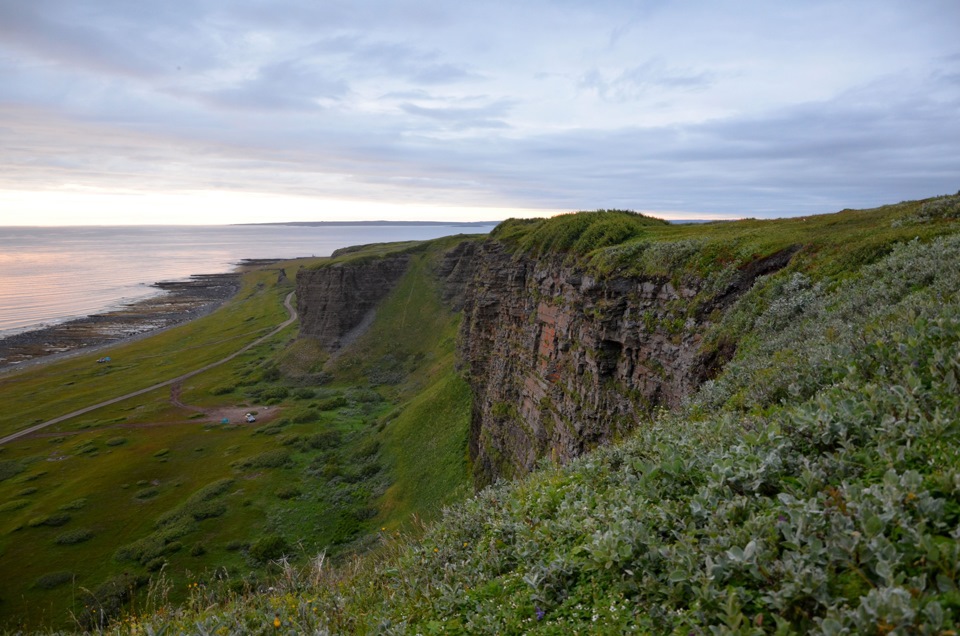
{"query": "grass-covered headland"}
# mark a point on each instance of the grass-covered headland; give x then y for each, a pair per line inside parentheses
(812, 486)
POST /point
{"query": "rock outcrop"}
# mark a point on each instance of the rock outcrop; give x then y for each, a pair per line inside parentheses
(560, 361)
(338, 302)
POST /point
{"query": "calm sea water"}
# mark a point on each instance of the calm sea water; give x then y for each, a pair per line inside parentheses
(50, 275)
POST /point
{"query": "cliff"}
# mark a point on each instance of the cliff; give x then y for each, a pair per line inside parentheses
(561, 360)
(560, 356)
(337, 302)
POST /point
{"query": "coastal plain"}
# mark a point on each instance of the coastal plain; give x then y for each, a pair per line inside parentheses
(93, 506)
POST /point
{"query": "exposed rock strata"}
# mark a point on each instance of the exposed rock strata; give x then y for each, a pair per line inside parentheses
(560, 361)
(337, 302)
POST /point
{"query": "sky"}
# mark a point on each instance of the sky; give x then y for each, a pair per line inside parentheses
(216, 111)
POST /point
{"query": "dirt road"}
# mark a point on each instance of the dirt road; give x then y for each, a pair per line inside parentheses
(36, 427)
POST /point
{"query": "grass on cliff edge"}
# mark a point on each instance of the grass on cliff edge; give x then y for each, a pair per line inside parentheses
(833, 509)
(616, 242)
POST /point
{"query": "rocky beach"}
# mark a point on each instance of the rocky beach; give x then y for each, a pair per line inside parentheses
(180, 301)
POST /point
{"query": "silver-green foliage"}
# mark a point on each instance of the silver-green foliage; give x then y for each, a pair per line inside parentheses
(800, 340)
(840, 513)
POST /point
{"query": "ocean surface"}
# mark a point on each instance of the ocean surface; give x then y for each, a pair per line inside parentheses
(50, 275)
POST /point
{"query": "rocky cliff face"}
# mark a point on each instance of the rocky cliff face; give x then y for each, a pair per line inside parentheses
(336, 303)
(560, 361)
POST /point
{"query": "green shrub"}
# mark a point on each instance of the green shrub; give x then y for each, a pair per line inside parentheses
(108, 598)
(53, 579)
(76, 504)
(163, 452)
(72, 537)
(274, 393)
(53, 520)
(332, 403)
(14, 504)
(10, 468)
(146, 493)
(116, 441)
(26, 492)
(269, 548)
(276, 458)
(288, 492)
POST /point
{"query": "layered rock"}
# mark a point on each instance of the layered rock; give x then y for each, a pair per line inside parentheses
(337, 302)
(560, 361)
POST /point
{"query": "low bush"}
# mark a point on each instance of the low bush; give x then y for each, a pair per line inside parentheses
(14, 504)
(269, 548)
(10, 468)
(53, 520)
(276, 458)
(304, 393)
(332, 403)
(76, 504)
(72, 537)
(52, 580)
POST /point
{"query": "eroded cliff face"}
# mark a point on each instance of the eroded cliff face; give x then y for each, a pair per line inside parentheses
(560, 361)
(337, 303)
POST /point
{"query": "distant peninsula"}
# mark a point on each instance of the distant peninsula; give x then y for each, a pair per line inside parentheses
(379, 223)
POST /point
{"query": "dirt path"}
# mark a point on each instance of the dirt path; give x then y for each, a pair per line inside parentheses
(36, 427)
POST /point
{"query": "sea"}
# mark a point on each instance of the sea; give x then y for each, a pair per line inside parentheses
(49, 275)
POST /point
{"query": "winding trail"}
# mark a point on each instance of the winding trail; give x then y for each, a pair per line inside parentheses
(180, 378)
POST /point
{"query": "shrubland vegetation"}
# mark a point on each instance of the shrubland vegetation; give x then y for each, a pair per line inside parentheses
(812, 486)
(148, 491)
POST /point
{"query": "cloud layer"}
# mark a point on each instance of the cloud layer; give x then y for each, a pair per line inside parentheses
(746, 108)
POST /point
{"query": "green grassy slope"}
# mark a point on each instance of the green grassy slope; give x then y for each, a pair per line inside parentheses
(147, 500)
(813, 486)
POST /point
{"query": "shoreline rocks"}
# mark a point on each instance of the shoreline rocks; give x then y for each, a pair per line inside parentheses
(180, 302)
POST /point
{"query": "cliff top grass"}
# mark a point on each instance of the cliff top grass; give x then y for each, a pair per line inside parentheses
(623, 243)
(372, 251)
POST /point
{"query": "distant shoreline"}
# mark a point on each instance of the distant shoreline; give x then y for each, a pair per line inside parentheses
(379, 223)
(179, 302)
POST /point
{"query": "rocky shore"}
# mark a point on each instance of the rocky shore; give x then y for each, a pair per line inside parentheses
(182, 301)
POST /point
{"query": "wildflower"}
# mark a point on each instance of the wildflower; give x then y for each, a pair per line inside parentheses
(276, 621)
(540, 614)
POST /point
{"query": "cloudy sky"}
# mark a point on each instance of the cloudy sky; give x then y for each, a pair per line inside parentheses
(217, 111)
